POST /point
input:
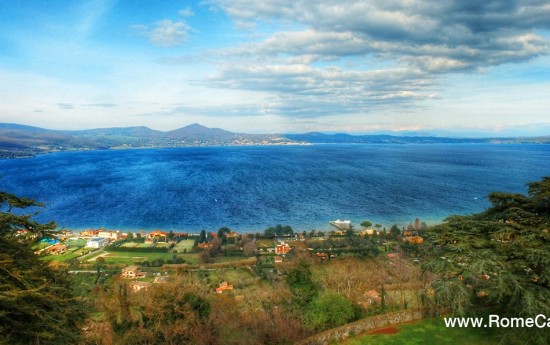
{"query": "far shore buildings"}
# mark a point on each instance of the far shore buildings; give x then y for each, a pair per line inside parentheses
(97, 242)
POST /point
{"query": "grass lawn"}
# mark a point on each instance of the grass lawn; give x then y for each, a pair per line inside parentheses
(265, 243)
(115, 258)
(71, 253)
(430, 331)
(129, 244)
(184, 244)
(76, 243)
(232, 276)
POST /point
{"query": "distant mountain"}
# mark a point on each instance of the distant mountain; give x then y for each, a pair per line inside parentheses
(20, 140)
(200, 132)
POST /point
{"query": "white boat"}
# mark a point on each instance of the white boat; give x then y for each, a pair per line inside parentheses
(341, 224)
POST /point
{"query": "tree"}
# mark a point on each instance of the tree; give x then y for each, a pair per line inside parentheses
(249, 248)
(327, 311)
(269, 232)
(171, 235)
(202, 236)
(497, 257)
(366, 224)
(222, 234)
(394, 231)
(36, 302)
(302, 286)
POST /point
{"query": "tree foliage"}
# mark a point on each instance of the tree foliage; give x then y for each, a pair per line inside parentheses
(300, 281)
(498, 257)
(328, 311)
(36, 302)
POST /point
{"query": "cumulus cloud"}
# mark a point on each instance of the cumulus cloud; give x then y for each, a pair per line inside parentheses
(302, 90)
(165, 33)
(415, 41)
(491, 32)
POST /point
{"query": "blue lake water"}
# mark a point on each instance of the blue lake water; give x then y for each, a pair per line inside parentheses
(251, 188)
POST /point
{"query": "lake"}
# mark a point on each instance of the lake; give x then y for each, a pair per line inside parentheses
(251, 188)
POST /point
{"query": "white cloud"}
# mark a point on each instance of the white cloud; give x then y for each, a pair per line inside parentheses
(165, 33)
(186, 12)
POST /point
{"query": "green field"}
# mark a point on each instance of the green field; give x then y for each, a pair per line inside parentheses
(76, 243)
(185, 244)
(128, 245)
(71, 253)
(431, 331)
(265, 243)
(130, 258)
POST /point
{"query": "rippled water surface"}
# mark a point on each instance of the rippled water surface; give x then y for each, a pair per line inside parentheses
(251, 188)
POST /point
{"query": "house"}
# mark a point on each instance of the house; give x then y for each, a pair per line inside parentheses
(138, 286)
(57, 249)
(205, 245)
(232, 234)
(278, 259)
(89, 233)
(158, 234)
(373, 297)
(322, 256)
(224, 286)
(110, 235)
(282, 248)
(97, 242)
(131, 272)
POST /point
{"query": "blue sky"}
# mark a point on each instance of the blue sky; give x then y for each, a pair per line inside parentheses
(464, 67)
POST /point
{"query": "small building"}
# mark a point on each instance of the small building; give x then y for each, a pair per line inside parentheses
(97, 242)
(205, 245)
(131, 272)
(278, 259)
(158, 234)
(57, 249)
(89, 233)
(322, 256)
(232, 234)
(224, 286)
(282, 248)
(373, 297)
(393, 255)
(110, 235)
(138, 286)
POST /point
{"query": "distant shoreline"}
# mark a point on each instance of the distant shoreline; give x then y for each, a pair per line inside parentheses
(27, 141)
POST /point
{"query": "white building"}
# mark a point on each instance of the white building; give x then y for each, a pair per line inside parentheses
(97, 242)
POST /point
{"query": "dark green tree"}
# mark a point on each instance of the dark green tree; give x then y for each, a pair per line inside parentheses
(498, 257)
(37, 305)
(171, 235)
(222, 234)
(394, 231)
(366, 224)
(202, 237)
(301, 284)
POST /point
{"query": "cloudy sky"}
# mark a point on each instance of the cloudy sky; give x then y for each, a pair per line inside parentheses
(446, 66)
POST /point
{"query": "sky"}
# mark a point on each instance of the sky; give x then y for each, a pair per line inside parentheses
(458, 67)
